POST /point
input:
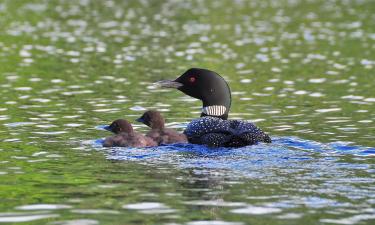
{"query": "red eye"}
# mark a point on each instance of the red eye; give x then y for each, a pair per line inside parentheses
(192, 79)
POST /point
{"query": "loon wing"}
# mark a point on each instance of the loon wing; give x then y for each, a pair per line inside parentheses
(248, 132)
(206, 125)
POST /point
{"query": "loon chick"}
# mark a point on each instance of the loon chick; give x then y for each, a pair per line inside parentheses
(213, 128)
(126, 136)
(158, 132)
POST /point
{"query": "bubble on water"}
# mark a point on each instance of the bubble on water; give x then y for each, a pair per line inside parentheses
(43, 206)
(212, 222)
(255, 210)
(337, 121)
(289, 82)
(74, 60)
(72, 117)
(137, 108)
(300, 92)
(369, 100)
(11, 139)
(219, 203)
(317, 80)
(268, 88)
(330, 72)
(19, 124)
(339, 66)
(302, 123)
(69, 93)
(24, 97)
(365, 121)
(367, 63)
(46, 125)
(353, 97)
(39, 153)
(4, 117)
(76, 222)
(238, 93)
(328, 110)
(23, 217)
(27, 61)
(245, 71)
(50, 133)
(260, 94)
(41, 100)
(95, 211)
(149, 207)
(290, 216)
(245, 81)
(316, 94)
(316, 56)
(46, 115)
(24, 53)
(56, 81)
(350, 220)
(107, 110)
(54, 156)
(23, 88)
(262, 57)
(275, 69)
(73, 53)
(101, 49)
(343, 81)
(283, 127)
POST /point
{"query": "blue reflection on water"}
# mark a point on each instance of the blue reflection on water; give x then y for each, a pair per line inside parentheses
(296, 162)
(281, 146)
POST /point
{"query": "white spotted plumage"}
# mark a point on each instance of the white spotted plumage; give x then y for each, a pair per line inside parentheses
(245, 131)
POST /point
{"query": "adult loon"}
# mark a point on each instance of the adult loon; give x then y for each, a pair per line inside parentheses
(126, 136)
(212, 128)
(158, 132)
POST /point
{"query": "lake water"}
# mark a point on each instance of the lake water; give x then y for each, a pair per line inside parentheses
(303, 71)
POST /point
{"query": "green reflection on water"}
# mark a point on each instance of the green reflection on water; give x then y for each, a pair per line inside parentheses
(88, 63)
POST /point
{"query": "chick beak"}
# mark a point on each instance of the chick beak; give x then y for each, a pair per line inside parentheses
(108, 128)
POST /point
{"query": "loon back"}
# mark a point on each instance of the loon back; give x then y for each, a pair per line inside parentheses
(216, 132)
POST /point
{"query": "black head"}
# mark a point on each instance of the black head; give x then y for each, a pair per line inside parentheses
(205, 85)
(152, 119)
(120, 126)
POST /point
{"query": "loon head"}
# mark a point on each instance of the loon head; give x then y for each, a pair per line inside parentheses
(120, 126)
(207, 86)
(152, 119)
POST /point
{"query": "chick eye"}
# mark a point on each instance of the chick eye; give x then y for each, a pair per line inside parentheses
(192, 79)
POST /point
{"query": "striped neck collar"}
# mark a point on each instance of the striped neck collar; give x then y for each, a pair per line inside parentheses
(214, 110)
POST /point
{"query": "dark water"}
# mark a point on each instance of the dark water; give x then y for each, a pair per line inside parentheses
(302, 70)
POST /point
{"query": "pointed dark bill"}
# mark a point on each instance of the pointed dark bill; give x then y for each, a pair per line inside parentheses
(108, 128)
(168, 84)
(140, 120)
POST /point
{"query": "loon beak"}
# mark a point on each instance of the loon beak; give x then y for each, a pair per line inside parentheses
(168, 84)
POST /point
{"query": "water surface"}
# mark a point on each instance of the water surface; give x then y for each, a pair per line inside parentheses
(302, 70)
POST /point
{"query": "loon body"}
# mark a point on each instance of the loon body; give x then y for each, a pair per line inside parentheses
(213, 129)
(216, 132)
(126, 136)
(158, 132)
